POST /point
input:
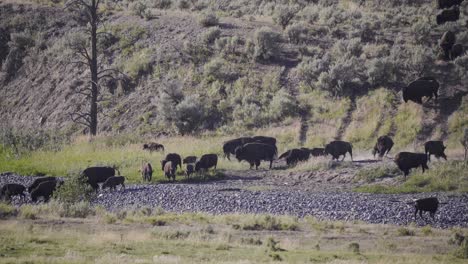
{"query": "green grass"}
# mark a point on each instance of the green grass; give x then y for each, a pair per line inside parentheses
(451, 176)
(458, 121)
(373, 173)
(408, 122)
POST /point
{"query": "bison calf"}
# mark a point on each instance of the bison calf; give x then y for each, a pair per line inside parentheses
(45, 190)
(38, 181)
(152, 146)
(113, 181)
(189, 160)
(383, 146)
(11, 189)
(430, 205)
(169, 169)
(338, 148)
(435, 148)
(189, 171)
(146, 172)
(408, 160)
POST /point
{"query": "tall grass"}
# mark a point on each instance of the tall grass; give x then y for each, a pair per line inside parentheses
(408, 122)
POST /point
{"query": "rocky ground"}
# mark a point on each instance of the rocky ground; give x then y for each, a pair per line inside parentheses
(266, 192)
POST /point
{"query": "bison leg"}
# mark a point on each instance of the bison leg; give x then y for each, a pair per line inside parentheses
(257, 163)
(271, 163)
(344, 156)
(251, 164)
(415, 213)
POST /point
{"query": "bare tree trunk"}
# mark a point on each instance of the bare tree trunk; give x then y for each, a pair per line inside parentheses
(94, 71)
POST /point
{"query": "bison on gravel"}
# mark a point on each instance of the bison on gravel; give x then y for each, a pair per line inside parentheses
(265, 140)
(446, 15)
(435, 148)
(190, 160)
(230, 146)
(96, 175)
(174, 158)
(446, 43)
(146, 172)
(416, 90)
(169, 169)
(408, 160)
(11, 189)
(430, 205)
(189, 170)
(338, 148)
(383, 146)
(38, 181)
(457, 51)
(206, 161)
(441, 4)
(45, 190)
(254, 153)
(113, 181)
(316, 152)
(152, 146)
(294, 156)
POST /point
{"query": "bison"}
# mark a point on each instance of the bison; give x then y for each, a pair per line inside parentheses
(11, 189)
(146, 172)
(408, 160)
(206, 161)
(430, 205)
(96, 175)
(446, 15)
(230, 146)
(294, 156)
(265, 140)
(152, 146)
(338, 148)
(435, 148)
(446, 43)
(383, 146)
(174, 158)
(189, 170)
(189, 160)
(416, 90)
(45, 190)
(441, 4)
(254, 153)
(316, 152)
(457, 51)
(169, 169)
(113, 181)
(38, 181)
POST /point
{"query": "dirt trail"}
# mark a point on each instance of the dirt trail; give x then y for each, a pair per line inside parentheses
(347, 119)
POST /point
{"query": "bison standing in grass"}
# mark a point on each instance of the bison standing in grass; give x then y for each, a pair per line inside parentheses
(189, 170)
(338, 148)
(383, 146)
(174, 158)
(146, 172)
(254, 153)
(416, 90)
(430, 205)
(435, 148)
(169, 169)
(96, 175)
(189, 160)
(316, 152)
(45, 190)
(152, 146)
(408, 160)
(230, 146)
(113, 181)
(11, 189)
(265, 140)
(446, 43)
(38, 181)
(294, 156)
(447, 15)
(206, 162)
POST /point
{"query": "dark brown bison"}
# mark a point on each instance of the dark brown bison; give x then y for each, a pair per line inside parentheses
(146, 172)
(96, 175)
(441, 4)
(38, 181)
(174, 158)
(113, 181)
(316, 152)
(430, 205)
(265, 140)
(45, 190)
(152, 146)
(408, 160)
(338, 148)
(254, 153)
(435, 148)
(293, 156)
(169, 169)
(11, 189)
(446, 43)
(206, 161)
(457, 51)
(416, 90)
(446, 15)
(189, 170)
(190, 160)
(230, 146)
(383, 146)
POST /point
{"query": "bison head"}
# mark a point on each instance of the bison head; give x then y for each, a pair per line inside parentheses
(405, 96)
(239, 151)
(145, 146)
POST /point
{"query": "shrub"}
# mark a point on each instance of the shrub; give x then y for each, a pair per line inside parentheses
(462, 251)
(80, 209)
(6, 210)
(266, 44)
(138, 64)
(405, 232)
(162, 4)
(298, 32)
(74, 189)
(189, 115)
(354, 247)
(183, 4)
(28, 211)
(208, 20)
(140, 9)
(209, 36)
(217, 69)
(309, 69)
(272, 244)
(282, 105)
(283, 15)
(380, 71)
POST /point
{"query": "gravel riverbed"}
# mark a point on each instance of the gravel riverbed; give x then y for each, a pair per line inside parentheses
(239, 196)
